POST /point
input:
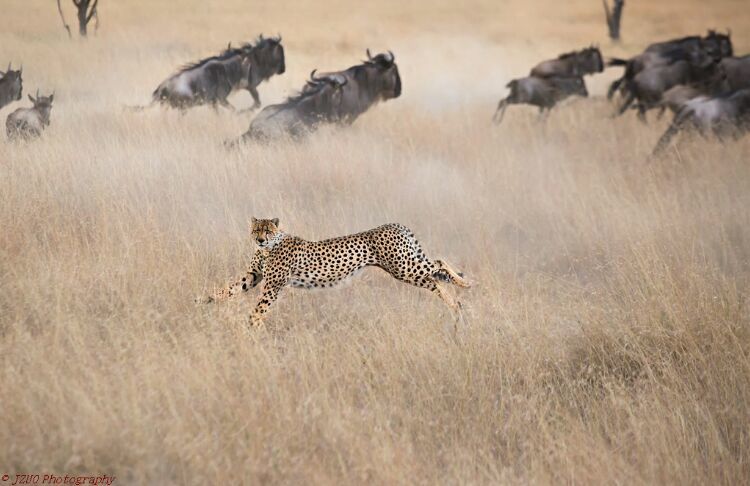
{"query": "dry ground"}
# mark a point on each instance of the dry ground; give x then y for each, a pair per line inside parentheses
(607, 335)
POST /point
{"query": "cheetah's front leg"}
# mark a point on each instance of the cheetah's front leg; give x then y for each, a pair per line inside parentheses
(269, 295)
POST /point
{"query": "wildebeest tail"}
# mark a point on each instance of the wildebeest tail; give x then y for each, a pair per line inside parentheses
(615, 61)
(156, 96)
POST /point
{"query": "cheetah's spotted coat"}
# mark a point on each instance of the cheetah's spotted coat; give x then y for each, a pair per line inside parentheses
(284, 260)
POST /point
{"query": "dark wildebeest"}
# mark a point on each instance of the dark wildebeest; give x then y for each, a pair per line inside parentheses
(212, 80)
(578, 63)
(318, 103)
(376, 79)
(27, 123)
(544, 93)
(649, 85)
(692, 49)
(11, 86)
(723, 115)
(737, 70)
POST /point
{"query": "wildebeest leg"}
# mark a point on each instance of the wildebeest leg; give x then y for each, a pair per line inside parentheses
(614, 86)
(642, 112)
(723, 131)
(626, 104)
(256, 97)
(677, 125)
(500, 112)
(544, 113)
(226, 104)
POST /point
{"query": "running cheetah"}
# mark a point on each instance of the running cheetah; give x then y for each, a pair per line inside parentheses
(284, 260)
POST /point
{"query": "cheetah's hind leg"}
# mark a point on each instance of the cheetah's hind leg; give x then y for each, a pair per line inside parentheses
(447, 273)
(446, 297)
(455, 306)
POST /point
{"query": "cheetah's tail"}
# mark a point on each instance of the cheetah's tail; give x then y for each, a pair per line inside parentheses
(446, 273)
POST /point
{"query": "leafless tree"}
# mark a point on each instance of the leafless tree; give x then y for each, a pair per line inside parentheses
(613, 18)
(86, 11)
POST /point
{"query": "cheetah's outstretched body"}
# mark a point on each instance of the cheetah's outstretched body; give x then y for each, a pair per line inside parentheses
(284, 260)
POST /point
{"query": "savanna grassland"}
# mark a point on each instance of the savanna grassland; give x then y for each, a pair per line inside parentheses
(606, 337)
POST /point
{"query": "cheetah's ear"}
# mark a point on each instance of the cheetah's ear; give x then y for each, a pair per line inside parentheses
(253, 220)
(275, 222)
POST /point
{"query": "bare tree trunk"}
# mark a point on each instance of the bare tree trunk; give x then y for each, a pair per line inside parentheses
(613, 18)
(82, 6)
(62, 17)
(86, 11)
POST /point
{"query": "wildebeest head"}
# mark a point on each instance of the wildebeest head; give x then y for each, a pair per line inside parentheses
(383, 72)
(711, 77)
(12, 83)
(718, 45)
(43, 105)
(594, 57)
(267, 56)
(588, 60)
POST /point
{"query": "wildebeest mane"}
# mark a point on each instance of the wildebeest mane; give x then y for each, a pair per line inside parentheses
(311, 88)
(226, 54)
(570, 54)
(231, 52)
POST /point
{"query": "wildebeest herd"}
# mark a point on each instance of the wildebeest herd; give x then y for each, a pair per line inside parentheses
(698, 78)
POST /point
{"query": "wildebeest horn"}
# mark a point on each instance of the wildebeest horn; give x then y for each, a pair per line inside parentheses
(392, 58)
(261, 36)
(37, 93)
(278, 38)
(369, 56)
(229, 46)
(9, 66)
(312, 75)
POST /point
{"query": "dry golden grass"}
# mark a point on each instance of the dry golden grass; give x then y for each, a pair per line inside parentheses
(607, 335)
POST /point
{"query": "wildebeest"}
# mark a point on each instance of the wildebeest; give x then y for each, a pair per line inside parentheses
(27, 123)
(649, 85)
(577, 63)
(11, 86)
(693, 49)
(544, 93)
(376, 79)
(722, 115)
(319, 102)
(737, 70)
(212, 80)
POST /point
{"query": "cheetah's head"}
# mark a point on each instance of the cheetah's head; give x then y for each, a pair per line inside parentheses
(265, 232)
